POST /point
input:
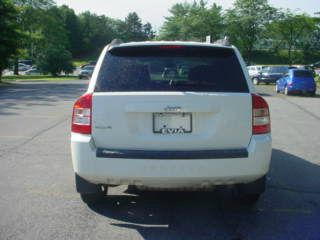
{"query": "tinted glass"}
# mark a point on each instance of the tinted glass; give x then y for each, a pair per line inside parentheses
(171, 68)
(282, 70)
(302, 73)
(88, 68)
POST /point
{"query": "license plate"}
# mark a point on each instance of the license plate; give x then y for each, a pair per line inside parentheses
(172, 123)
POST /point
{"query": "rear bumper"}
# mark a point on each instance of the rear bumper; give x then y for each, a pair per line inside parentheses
(268, 80)
(172, 173)
(301, 89)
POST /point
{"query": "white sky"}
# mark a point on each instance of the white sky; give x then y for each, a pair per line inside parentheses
(153, 11)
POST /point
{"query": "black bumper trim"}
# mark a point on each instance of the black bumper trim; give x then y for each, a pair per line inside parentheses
(147, 154)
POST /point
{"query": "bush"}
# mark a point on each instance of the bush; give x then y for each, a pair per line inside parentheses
(54, 60)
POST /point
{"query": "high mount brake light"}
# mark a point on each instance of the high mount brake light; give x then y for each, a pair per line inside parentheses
(81, 117)
(171, 47)
(260, 115)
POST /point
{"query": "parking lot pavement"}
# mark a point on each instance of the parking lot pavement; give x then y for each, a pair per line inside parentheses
(38, 201)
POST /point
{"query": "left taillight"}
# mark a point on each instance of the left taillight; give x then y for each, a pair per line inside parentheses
(81, 116)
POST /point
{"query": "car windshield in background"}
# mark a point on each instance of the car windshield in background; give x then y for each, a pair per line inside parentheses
(302, 73)
(282, 70)
(90, 68)
(171, 68)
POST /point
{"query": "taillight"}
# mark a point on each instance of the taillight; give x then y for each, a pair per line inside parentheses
(81, 117)
(260, 115)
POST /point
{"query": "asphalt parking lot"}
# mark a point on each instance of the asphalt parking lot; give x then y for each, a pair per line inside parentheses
(38, 201)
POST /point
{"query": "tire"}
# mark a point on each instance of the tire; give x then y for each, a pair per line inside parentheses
(94, 198)
(267, 83)
(312, 94)
(250, 193)
(286, 91)
(256, 81)
(90, 193)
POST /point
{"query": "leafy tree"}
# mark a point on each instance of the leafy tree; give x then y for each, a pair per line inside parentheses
(73, 30)
(52, 51)
(246, 22)
(293, 31)
(40, 4)
(54, 60)
(133, 28)
(192, 22)
(10, 34)
(148, 33)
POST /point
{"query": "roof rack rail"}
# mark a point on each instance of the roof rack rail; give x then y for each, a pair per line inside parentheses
(224, 41)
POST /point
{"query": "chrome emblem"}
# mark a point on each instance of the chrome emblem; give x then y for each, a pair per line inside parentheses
(172, 109)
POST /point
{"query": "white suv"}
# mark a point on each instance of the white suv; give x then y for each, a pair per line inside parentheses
(170, 115)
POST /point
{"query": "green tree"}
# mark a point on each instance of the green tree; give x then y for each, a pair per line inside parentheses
(293, 31)
(148, 31)
(54, 60)
(73, 30)
(133, 28)
(192, 21)
(246, 22)
(52, 51)
(10, 33)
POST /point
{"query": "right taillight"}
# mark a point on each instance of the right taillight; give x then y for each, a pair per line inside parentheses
(81, 117)
(260, 115)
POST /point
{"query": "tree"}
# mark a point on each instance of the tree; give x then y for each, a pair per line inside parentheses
(52, 51)
(192, 22)
(147, 31)
(73, 30)
(292, 30)
(133, 28)
(10, 33)
(246, 22)
(54, 60)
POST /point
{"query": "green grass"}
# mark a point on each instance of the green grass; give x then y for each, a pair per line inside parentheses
(22, 78)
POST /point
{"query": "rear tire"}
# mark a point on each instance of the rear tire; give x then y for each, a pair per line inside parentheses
(286, 91)
(250, 193)
(90, 193)
(312, 94)
(94, 198)
(256, 81)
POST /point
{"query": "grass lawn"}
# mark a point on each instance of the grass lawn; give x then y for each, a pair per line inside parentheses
(24, 78)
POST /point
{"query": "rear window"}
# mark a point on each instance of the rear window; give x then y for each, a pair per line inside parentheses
(302, 73)
(171, 68)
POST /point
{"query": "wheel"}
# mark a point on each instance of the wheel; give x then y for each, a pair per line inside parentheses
(312, 94)
(267, 83)
(250, 193)
(248, 199)
(94, 198)
(90, 193)
(255, 81)
(277, 89)
(286, 91)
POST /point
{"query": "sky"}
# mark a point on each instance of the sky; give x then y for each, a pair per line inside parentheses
(154, 11)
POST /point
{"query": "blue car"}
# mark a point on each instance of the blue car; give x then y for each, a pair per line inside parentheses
(299, 81)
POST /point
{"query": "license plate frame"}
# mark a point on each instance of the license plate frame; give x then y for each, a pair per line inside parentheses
(160, 131)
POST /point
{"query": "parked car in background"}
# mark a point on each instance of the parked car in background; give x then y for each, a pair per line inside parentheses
(23, 67)
(297, 81)
(25, 61)
(254, 70)
(86, 72)
(32, 71)
(90, 63)
(270, 74)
